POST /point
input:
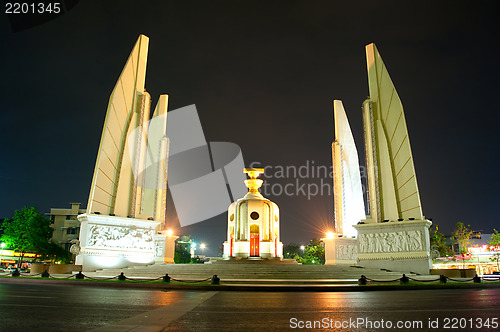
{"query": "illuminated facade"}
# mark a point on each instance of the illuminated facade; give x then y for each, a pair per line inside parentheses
(127, 201)
(65, 224)
(253, 224)
(396, 235)
(480, 256)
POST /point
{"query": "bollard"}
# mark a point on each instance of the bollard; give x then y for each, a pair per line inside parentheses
(442, 279)
(16, 273)
(362, 281)
(45, 274)
(122, 277)
(404, 280)
(477, 279)
(80, 275)
(166, 278)
(215, 280)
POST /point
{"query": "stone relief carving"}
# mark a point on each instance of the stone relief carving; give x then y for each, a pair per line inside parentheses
(75, 247)
(391, 242)
(116, 237)
(159, 248)
(348, 252)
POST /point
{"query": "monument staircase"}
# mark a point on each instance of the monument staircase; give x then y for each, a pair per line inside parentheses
(251, 271)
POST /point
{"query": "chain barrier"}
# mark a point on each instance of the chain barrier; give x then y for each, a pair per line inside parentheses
(443, 279)
(216, 281)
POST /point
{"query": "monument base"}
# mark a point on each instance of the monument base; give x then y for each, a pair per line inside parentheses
(115, 242)
(241, 249)
(341, 251)
(396, 245)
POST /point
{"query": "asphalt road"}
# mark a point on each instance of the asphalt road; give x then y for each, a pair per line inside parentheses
(46, 307)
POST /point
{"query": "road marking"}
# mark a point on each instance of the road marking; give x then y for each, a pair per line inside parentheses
(32, 296)
(157, 319)
(27, 305)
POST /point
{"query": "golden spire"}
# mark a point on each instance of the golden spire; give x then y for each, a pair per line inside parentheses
(253, 184)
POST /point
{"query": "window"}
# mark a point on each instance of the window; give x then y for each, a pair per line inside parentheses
(254, 215)
(71, 231)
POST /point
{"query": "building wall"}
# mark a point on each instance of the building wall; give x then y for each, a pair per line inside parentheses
(65, 224)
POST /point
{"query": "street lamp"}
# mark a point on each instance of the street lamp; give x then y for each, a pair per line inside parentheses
(302, 248)
(2, 245)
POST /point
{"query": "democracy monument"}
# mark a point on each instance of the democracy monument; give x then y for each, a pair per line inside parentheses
(253, 224)
(395, 235)
(125, 222)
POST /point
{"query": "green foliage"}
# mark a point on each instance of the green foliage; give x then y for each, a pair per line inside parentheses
(462, 234)
(314, 253)
(27, 231)
(438, 242)
(54, 253)
(494, 242)
(182, 254)
(292, 250)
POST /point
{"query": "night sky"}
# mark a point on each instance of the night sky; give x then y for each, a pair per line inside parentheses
(263, 75)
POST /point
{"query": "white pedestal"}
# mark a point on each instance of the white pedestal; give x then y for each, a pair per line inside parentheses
(164, 247)
(397, 246)
(341, 251)
(115, 242)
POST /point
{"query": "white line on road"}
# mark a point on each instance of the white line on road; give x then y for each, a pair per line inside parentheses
(158, 319)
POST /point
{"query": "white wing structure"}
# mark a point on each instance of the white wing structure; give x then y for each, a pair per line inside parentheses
(127, 201)
(348, 193)
(393, 190)
(130, 173)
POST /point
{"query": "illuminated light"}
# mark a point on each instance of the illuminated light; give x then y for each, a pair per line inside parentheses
(203, 246)
(329, 235)
(3, 245)
(302, 247)
(193, 245)
(169, 232)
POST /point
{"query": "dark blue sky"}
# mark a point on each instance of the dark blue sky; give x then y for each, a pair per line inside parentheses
(282, 62)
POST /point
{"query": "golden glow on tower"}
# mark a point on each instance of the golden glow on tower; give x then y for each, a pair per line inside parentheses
(253, 184)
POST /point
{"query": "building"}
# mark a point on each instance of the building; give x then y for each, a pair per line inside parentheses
(480, 255)
(65, 224)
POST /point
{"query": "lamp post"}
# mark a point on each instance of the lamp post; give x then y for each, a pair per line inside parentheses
(202, 247)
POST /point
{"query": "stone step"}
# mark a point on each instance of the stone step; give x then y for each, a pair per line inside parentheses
(251, 271)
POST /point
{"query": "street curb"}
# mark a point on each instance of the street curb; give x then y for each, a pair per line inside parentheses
(250, 287)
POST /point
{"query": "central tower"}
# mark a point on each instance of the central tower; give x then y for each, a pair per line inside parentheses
(253, 223)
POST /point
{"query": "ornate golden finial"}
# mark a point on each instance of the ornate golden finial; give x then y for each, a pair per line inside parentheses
(253, 184)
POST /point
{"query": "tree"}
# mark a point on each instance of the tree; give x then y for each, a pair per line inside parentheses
(462, 234)
(314, 253)
(438, 242)
(182, 254)
(55, 253)
(27, 231)
(493, 246)
(292, 250)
